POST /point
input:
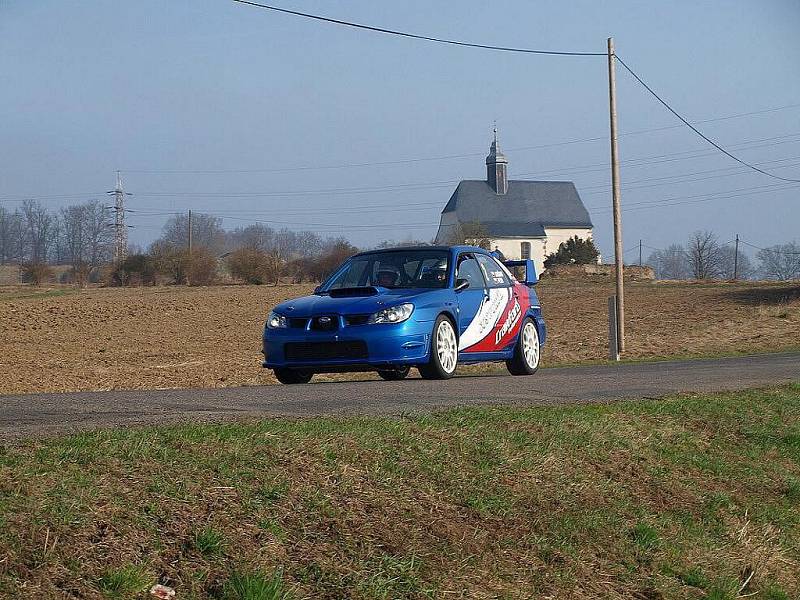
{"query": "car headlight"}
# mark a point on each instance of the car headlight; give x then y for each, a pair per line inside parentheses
(395, 314)
(276, 321)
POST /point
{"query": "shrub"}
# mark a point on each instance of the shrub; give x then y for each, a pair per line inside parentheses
(249, 265)
(78, 274)
(334, 255)
(201, 267)
(575, 251)
(168, 262)
(37, 273)
(177, 265)
(137, 269)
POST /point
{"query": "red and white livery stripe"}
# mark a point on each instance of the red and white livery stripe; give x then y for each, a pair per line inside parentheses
(497, 322)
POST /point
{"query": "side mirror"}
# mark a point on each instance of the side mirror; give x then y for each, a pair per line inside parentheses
(461, 284)
(317, 290)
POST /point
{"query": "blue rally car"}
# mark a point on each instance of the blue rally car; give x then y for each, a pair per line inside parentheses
(428, 307)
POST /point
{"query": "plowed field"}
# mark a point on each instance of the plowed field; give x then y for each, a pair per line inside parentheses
(63, 339)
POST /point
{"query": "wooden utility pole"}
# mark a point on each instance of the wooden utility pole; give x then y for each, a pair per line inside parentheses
(736, 260)
(640, 253)
(615, 191)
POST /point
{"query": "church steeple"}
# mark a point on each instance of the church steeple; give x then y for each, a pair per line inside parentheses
(497, 168)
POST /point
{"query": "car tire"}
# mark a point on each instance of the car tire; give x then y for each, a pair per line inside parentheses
(527, 352)
(444, 351)
(292, 376)
(394, 374)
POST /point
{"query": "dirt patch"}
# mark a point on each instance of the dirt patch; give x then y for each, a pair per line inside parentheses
(63, 339)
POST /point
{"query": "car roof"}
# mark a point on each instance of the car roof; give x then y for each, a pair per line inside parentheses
(460, 248)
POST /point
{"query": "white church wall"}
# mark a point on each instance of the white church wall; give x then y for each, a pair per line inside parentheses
(540, 247)
(558, 235)
(512, 249)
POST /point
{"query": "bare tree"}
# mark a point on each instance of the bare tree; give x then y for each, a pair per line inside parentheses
(10, 235)
(255, 237)
(308, 244)
(780, 262)
(207, 232)
(86, 238)
(99, 235)
(705, 258)
(729, 262)
(40, 229)
(670, 263)
(474, 234)
(73, 235)
(407, 241)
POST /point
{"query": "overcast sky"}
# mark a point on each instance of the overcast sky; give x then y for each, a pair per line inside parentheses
(94, 86)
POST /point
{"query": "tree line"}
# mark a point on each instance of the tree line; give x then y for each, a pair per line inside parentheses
(703, 256)
(34, 237)
(81, 237)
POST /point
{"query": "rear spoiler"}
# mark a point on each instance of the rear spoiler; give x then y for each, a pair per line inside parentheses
(530, 278)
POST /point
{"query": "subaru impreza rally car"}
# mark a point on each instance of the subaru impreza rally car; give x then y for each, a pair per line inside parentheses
(428, 307)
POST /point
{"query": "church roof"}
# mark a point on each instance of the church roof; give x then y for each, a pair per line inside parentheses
(525, 210)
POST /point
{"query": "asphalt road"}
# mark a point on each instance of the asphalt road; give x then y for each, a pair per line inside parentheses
(38, 414)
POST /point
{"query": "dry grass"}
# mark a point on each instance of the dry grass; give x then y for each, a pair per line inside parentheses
(63, 339)
(694, 496)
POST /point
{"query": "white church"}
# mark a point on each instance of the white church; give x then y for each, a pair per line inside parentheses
(523, 219)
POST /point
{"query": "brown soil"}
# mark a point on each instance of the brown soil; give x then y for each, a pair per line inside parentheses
(63, 339)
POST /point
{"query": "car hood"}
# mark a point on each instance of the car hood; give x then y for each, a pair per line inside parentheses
(309, 306)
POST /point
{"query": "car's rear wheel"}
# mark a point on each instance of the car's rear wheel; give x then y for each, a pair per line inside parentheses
(291, 376)
(527, 351)
(444, 351)
(394, 374)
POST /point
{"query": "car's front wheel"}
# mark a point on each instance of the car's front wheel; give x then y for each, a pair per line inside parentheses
(394, 374)
(291, 376)
(444, 351)
(527, 350)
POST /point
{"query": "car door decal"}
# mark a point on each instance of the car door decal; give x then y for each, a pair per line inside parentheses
(497, 323)
(486, 319)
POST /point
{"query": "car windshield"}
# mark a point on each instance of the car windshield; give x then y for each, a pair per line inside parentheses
(393, 269)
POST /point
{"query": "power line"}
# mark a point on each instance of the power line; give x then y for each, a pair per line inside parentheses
(696, 130)
(446, 156)
(679, 200)
(671, 156)
(334, 226)
(600, 188)
(641, 161)
(575, 170)
(415, 35)
(772, 250)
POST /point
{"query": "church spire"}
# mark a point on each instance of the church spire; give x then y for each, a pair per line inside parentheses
(497, 168)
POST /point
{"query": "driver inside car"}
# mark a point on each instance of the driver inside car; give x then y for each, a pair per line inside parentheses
(388, 276)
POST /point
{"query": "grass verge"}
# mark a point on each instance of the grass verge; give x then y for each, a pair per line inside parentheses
(692, 496)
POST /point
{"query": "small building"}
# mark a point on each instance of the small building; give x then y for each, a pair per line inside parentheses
(523, 219)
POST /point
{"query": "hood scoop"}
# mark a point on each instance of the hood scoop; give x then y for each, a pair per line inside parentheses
(354, 292)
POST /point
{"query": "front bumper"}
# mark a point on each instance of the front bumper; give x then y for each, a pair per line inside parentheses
(390, 344)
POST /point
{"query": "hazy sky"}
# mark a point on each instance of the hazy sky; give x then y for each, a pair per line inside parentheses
(93, 86)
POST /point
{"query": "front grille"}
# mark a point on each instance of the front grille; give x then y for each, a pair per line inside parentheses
(354, 349)
(325, 323)
(356, 319)
(298, 322)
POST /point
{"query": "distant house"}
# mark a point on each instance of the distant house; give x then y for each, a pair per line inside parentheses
(523, 219)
